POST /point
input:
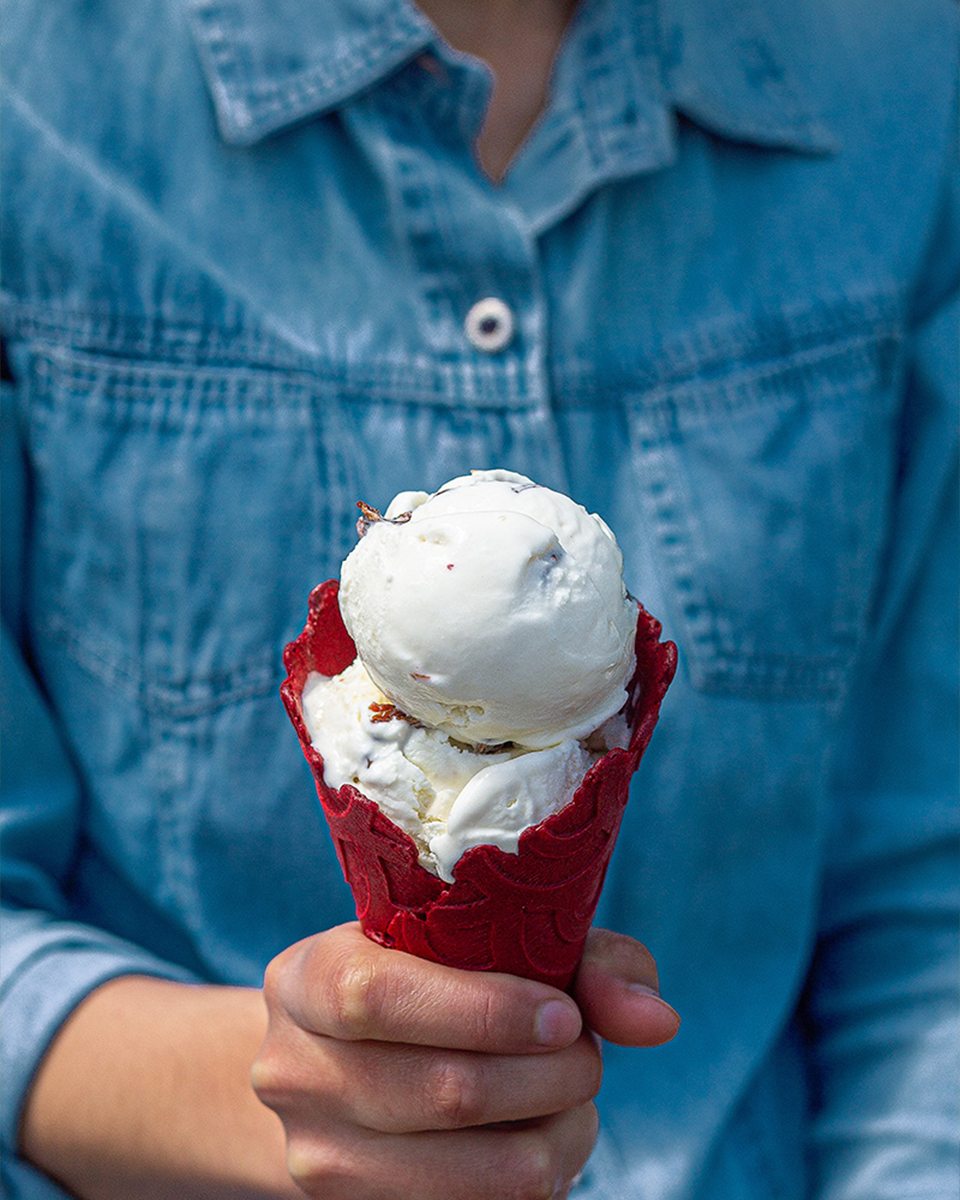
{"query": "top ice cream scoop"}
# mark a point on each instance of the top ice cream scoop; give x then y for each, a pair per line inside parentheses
(493, 610)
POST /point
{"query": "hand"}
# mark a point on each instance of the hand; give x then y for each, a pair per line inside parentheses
(399, 1078)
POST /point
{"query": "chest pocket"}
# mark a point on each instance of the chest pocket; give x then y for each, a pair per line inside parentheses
(765, 465)
(181, 516)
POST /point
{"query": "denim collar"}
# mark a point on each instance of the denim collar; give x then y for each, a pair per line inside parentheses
(271, 63)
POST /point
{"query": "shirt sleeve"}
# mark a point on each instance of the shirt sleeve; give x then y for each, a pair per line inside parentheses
(882, 1000)
(48, 963)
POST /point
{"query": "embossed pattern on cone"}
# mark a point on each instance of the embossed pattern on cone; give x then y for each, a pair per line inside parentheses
(526, 913)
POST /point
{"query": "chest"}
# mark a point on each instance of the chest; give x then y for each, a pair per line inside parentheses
(682, 352)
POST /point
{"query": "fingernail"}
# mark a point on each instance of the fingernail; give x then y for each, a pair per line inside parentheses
(556, 1024)
(640, 989)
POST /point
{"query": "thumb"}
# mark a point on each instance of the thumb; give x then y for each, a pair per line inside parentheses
(618, 992)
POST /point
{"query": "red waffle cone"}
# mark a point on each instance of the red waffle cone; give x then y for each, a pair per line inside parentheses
(526, 913)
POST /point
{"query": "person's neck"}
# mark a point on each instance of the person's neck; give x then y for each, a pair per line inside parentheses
(518, 40)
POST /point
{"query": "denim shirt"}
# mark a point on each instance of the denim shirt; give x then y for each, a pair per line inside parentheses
(241, 242)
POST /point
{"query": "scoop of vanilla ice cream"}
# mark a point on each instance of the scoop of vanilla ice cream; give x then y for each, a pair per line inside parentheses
(495, 611)
(446, 796)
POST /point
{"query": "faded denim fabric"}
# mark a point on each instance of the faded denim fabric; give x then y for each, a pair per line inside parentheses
(240, 242)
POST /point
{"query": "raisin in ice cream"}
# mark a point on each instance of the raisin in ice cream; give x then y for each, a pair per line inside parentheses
(495, 640)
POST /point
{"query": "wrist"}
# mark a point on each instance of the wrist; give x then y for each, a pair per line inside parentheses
(146, 1090)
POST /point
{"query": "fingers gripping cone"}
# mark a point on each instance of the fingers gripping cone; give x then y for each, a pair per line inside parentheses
(527, 913)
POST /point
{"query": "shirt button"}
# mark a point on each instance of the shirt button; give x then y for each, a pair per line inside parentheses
(489, 325)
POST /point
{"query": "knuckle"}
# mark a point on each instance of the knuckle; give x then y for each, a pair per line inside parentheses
(300, 1165)
(454, 1094)
(264, 1077)
(534, 1171)
(581, 1139)
(280, 976)
(593, 1077)
(271, 1081)
(589, 1131)
(272, 982)
(356, 997)
(316, 1170)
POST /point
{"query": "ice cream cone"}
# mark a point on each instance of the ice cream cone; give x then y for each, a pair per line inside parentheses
(527, 913)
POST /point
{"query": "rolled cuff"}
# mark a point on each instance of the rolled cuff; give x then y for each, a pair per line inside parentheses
(48, 969)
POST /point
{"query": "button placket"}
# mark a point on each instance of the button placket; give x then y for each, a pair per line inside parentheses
(474, 265)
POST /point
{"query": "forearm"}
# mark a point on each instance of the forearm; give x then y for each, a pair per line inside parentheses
(146, 1092)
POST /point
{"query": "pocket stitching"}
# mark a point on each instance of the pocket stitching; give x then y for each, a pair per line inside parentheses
(694, 396)
(192, 698)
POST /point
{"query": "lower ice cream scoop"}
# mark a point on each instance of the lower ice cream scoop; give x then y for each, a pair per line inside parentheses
(493, 610)
(446, 795)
